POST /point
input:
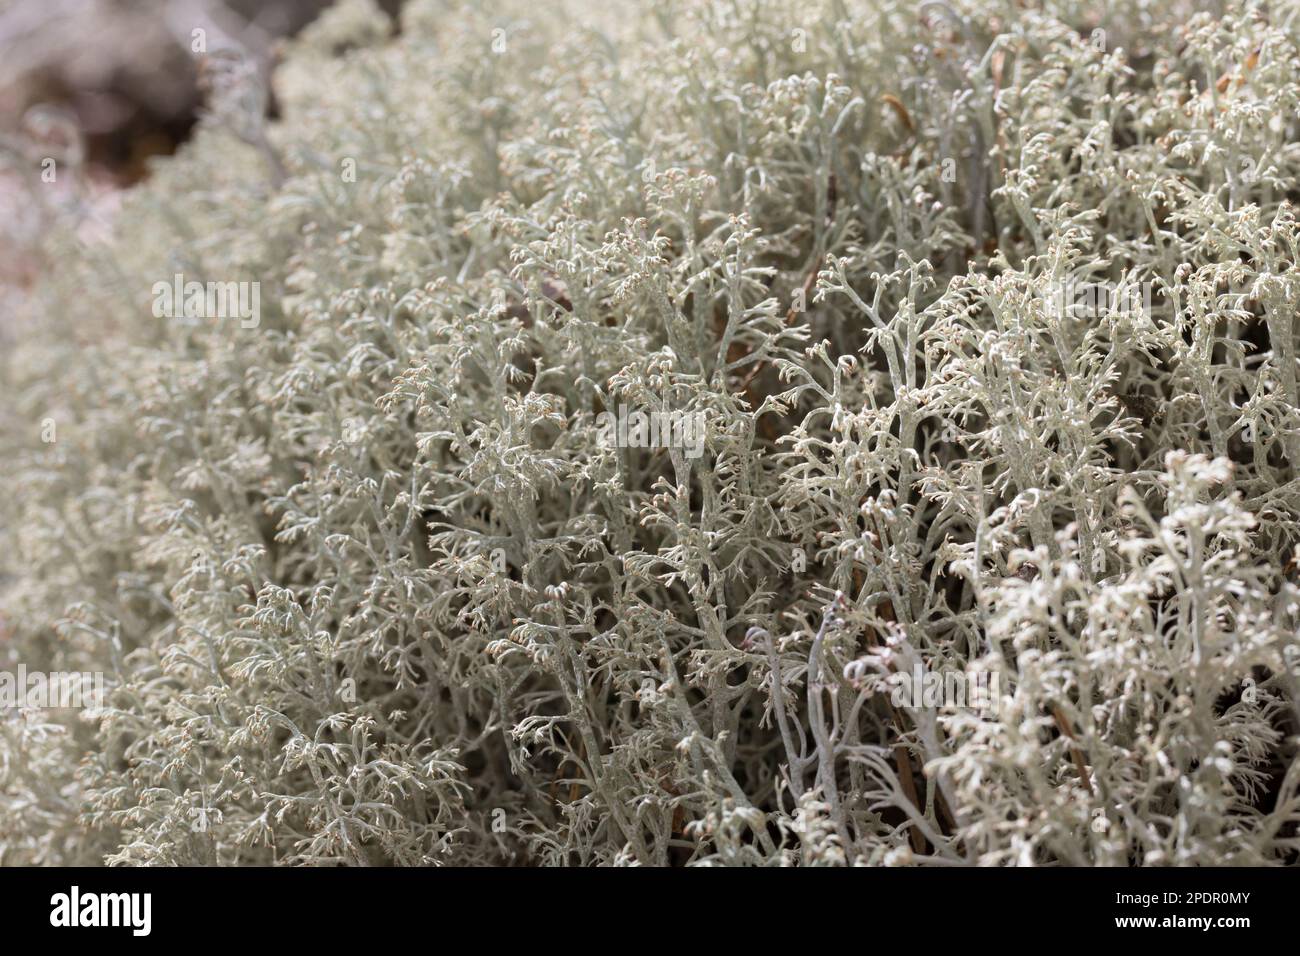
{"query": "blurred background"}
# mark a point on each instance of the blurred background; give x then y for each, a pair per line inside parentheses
(100, 86)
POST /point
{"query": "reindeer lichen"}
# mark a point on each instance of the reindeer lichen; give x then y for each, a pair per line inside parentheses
(983, 321)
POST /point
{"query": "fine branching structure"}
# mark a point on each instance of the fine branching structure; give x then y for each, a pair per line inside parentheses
(751, 432)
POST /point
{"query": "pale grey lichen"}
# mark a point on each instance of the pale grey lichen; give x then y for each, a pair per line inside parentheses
(369, 586)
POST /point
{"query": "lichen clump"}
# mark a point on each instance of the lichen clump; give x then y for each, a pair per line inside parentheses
(371, 583)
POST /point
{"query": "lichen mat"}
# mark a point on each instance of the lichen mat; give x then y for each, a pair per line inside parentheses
(369, 582)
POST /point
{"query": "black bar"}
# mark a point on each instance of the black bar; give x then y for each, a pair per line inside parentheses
(339, 907)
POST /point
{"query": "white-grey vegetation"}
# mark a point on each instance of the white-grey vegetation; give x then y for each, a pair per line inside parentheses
(368, 587)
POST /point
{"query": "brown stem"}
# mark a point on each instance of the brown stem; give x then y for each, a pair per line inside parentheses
(1079, 763)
